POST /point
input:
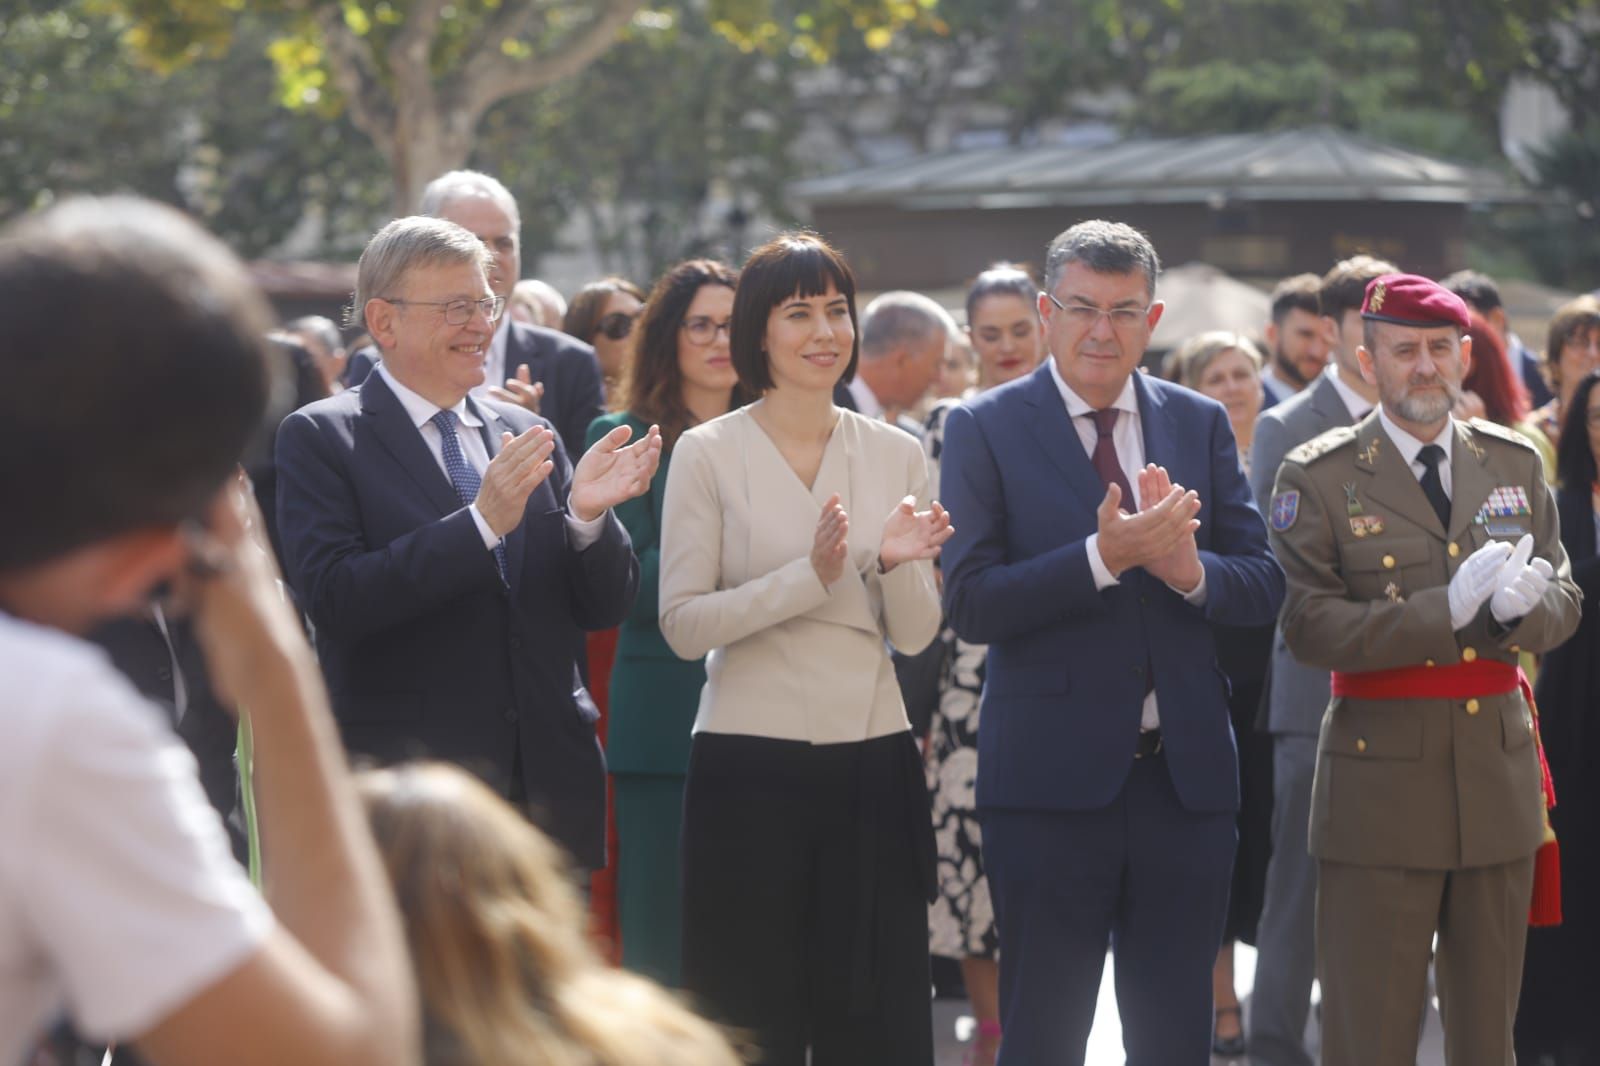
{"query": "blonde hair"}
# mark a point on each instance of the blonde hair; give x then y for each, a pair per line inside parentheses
(1197, 353)
(505, 971)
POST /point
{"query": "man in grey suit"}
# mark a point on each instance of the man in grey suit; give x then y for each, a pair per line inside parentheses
(1298, 694)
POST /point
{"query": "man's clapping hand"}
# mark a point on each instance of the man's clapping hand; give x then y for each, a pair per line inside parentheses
(521, 390)
(523, 463)
(610, 473)
(1160, 537)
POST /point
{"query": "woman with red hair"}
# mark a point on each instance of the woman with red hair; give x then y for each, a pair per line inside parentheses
(1492, 391)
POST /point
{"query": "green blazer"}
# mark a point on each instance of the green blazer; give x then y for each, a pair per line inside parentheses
(654, 694)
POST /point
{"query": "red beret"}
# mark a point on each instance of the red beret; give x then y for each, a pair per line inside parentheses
(1412, 300)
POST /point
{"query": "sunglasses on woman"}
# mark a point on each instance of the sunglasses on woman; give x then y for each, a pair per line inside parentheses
(616, 325)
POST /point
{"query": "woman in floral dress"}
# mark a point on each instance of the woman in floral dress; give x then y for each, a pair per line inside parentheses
(1003, 325)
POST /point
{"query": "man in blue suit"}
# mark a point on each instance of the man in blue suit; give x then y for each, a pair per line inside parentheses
(1102, 525)
(447, 552)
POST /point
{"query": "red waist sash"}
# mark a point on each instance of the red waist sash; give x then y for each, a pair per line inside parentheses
(1453, 681)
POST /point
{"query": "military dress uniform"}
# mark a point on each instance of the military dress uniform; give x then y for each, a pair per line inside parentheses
(1426, 812)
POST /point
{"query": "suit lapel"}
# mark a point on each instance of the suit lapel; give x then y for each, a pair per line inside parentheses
(1160, 436)
(390, 424)
(1328, 405)
(1470, 480)
(1052, 427)
(1389, 479)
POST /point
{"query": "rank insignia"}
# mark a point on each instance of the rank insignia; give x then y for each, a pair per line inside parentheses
(1367, 525)
(1285, 509)
(1369, 454)
(1352, 506)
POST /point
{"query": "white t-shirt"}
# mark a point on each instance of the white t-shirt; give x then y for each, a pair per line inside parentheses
(119, 898)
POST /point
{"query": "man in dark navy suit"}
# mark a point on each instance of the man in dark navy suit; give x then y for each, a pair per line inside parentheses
(544, 370)
(447, 552)
(1103, 525)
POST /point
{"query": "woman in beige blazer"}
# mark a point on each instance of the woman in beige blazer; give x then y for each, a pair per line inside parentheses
(793, 553)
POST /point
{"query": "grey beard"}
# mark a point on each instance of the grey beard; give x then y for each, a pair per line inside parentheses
(1423, 410)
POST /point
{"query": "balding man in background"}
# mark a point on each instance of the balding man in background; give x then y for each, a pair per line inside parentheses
(903, 340)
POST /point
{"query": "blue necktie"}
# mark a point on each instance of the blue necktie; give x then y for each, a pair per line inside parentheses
(462, 476)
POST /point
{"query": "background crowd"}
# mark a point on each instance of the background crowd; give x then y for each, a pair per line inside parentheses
(741, 473)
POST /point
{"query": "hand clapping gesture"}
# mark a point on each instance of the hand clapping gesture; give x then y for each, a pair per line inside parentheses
(521, 390)
(609, 473)
(910, 534)
(828, 546)
(1160, 537)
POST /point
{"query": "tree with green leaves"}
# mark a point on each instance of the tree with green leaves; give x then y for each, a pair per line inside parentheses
(417, 77)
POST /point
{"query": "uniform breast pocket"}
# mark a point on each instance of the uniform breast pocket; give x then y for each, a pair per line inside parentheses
(1371, 567)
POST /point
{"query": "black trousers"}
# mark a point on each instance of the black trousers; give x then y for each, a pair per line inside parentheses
(807, 870)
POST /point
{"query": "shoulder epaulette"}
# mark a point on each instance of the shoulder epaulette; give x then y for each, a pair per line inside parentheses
(1325, 444)
(1499, 432)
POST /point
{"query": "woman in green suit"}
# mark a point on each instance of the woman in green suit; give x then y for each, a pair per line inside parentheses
(680, 375)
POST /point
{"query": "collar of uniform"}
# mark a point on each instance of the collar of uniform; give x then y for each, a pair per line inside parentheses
(866, 400)
(1354, 402)
(1409, 446)
(421, 410)
(1077, 406)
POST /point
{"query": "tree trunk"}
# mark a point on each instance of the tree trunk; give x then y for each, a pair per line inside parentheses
(426, 144)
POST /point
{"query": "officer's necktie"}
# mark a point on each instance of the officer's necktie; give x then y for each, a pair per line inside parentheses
(1431, 456)
(1105, 456)
(462, 476)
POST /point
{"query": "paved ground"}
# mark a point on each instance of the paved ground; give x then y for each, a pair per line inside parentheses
(1105, 1041)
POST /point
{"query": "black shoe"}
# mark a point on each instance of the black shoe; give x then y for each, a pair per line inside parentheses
(1229, 1047)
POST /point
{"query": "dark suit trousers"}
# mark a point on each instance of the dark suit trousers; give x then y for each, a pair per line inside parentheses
(1142, 874)
(806, 876)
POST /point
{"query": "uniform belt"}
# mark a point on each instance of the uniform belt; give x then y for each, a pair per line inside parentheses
(1452, 681)
(1149, 744)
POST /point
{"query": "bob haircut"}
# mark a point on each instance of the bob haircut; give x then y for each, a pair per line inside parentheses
(799, 263)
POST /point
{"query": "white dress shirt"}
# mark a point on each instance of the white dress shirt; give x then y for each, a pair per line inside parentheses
(866, 400)
(1358, 405)
(473, 450)
(494, 361)
(1409, 446)
(1128, 439)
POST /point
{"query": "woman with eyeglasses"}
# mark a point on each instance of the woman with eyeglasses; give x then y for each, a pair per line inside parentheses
(680, 375)
(1556, 1021)
(796, 546)
(603, 314)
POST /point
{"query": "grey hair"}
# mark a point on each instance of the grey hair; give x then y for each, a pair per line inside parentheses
(405, 243)
(1105, 248)
(463, 184)
(1200, 351)
(320, 327)
(899, 318)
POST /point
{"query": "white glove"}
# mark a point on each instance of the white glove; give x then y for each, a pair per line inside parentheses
(1520, 583)
(1475, 581)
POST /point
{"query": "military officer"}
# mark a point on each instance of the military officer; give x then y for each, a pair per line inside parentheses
(1422, 554)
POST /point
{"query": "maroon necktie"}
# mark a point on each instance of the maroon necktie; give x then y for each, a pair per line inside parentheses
(1105, 455)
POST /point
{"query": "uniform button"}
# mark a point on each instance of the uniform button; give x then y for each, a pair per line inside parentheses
(1472, 706)
(1454, 549)
(511, 714)
(1361, 743)
(516, 643)
(1469, 655)
(1388, 562)
(1516, 649)
(1427, 662)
